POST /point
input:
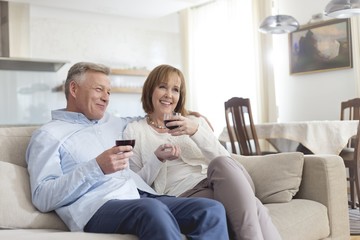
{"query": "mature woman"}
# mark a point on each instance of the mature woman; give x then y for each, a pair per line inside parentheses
(189, 161)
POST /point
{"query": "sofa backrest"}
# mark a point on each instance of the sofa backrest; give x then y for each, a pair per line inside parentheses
(18, 210)
(13, 144)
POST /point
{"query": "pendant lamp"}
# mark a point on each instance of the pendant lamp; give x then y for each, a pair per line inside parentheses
(342, 8)
(279, 24)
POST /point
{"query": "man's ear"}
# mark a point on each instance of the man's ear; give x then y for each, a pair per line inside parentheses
(73, 88)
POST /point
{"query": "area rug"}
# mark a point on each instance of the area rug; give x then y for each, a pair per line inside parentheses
(354, 215)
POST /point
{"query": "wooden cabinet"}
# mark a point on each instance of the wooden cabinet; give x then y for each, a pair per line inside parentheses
(134, 78)
(130, 72)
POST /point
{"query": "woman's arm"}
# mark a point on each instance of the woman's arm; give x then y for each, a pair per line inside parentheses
(208, 143)
(143, 162)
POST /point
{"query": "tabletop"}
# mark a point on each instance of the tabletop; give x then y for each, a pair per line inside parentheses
(321, 137)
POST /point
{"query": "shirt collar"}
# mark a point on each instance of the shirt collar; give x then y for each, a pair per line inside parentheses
(74, 117)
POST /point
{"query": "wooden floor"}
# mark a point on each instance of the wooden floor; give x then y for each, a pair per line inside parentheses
(355, 238)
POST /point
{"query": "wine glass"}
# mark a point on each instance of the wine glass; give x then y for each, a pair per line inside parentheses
(130, 142)
(169, 117)
(125, 173)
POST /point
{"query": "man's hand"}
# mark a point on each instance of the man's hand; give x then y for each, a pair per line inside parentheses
(114, 159)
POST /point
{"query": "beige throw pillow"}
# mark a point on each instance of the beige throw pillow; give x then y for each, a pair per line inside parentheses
(276, 177)
(17, 210)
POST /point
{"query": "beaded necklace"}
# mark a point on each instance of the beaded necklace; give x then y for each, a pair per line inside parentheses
(150, 121)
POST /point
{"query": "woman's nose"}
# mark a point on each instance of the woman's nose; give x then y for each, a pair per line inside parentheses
(168, 93)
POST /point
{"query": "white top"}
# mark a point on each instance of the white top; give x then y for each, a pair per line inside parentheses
(173, 177)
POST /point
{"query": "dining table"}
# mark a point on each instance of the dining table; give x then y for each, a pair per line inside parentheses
(320, 137)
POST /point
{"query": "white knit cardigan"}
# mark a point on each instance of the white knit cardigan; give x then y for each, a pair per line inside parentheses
(197, 150)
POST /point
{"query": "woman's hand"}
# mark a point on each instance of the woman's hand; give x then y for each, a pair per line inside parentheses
(167, 152)
(186, 126)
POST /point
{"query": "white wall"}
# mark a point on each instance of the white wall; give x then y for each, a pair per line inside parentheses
(26, 97)
(313, 96)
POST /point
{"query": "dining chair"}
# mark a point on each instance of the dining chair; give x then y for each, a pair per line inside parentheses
(351, 157)
(241, 127)
(350, 110)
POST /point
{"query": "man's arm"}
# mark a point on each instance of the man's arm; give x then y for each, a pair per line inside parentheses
(50, 187)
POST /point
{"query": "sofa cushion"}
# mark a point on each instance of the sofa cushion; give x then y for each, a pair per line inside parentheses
(17, 209)
(276, 177)
(300, 219)
(48, 234)
(13, 144)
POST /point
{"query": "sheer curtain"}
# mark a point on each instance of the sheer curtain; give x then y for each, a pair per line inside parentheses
(221, 60)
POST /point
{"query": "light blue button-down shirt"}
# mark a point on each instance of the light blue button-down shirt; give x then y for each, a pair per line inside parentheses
(64, 174)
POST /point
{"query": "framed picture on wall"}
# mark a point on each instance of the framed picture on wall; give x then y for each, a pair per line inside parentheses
(320, 47)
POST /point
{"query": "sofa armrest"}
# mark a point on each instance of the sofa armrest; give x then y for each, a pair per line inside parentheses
(324, 181)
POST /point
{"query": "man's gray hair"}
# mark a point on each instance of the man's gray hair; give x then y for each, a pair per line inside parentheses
(77, 71)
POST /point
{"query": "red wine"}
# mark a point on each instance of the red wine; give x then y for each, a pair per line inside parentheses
(130, 142)
(170, 127)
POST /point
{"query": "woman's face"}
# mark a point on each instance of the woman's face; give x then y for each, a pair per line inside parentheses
(166, 95)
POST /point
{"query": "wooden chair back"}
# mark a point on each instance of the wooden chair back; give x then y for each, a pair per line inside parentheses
(351, 157)
(350, 110)
(240, 126)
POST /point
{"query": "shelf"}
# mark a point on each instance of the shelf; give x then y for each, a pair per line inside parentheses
(59, 88)
(27, 64)
(126, 90)
(130, 72)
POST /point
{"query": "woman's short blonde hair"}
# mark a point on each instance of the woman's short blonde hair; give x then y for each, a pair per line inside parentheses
(159, 75)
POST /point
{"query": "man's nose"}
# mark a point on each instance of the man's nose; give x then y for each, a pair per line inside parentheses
(105, 96)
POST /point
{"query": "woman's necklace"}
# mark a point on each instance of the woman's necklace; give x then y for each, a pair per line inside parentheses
(151, 122)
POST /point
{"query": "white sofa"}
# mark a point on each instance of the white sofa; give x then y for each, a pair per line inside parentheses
(306, 196)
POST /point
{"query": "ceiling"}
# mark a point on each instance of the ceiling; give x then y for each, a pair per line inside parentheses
(125, 8)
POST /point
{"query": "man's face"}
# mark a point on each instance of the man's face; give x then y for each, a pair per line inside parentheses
(91, 95)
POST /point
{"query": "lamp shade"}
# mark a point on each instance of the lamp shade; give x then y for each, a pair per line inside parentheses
(279, 24)
(342, 8)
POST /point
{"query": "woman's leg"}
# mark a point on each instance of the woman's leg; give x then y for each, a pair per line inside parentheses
(229, 183)
(267, 226)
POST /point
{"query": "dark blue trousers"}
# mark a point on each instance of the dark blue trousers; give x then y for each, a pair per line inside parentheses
(161, 217)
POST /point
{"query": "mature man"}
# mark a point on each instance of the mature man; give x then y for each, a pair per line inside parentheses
(76, 170)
